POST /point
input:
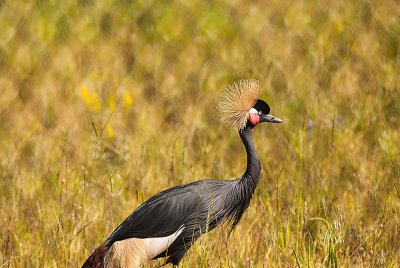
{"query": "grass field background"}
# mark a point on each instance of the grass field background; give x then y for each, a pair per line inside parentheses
(105, 103)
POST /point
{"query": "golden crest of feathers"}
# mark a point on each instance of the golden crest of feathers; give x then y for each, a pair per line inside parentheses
(236, 101)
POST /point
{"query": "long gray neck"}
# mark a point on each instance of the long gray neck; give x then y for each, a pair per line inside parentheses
(244, 187)
(253, 170)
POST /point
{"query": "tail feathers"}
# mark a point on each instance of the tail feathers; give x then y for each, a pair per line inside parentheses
(96, 260)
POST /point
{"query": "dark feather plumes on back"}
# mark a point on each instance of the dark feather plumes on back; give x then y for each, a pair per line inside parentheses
(179, 205)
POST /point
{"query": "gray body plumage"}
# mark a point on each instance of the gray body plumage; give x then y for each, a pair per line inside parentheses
(196, 207)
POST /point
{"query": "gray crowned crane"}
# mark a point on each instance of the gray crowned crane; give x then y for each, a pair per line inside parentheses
(167, 224)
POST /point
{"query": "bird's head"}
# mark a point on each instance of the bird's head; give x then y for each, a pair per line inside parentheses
(260, 113)
(240, 108)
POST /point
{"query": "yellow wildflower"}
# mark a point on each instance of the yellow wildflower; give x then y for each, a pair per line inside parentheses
(110, 131)
(128, 99)
(91, 99)
(86, 95)
(96, 105)
(111, 103)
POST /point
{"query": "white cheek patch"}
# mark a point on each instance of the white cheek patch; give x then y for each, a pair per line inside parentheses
(253, 111)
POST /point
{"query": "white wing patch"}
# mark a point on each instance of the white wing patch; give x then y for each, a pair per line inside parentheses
(156, 245)
(134, 252)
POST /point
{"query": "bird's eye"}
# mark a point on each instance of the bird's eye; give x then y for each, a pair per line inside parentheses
(260, 113)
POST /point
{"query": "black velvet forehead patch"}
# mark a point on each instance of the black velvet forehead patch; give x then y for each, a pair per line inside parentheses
(262, 106)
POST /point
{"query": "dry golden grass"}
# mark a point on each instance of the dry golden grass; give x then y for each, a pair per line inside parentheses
(105, 103)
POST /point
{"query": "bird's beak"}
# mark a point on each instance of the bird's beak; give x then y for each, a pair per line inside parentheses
(269, 118)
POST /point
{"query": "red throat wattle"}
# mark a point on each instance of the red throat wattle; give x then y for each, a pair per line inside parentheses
(254, 118)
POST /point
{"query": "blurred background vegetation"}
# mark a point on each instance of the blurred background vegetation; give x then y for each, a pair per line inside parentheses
(105, 103)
